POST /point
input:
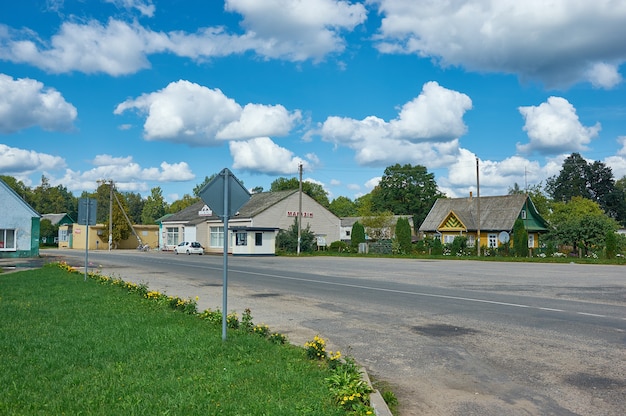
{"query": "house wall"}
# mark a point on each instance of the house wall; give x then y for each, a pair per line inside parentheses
(283, 214)
(149, 234)
(16, 215)
(266, 248)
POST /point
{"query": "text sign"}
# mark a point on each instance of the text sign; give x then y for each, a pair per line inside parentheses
(87, 211)
(213, 194)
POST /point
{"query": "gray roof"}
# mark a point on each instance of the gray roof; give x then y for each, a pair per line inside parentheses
(258, 203)
(55, 218)
(496, 212)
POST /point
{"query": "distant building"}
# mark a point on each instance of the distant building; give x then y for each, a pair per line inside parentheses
(19, 225)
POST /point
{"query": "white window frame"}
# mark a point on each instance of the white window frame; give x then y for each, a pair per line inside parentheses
(171, 236)
(492, 240)
(531, 240)
(448, 238)
(241, 238)
(5, 234)
(471, 240)
(216, 239)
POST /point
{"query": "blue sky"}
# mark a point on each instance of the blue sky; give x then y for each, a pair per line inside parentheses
(163, 93)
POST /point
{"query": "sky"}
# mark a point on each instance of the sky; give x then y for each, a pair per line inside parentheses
(152, 93)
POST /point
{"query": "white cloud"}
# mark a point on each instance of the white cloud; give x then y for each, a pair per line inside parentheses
(15, 161)
(186, 112)
(496, 177)
(553, 127)
(617, 163)
(145, 7)
(559, 42)
(263, 155)
(104, 160)
(425, 132)
(275, 29)
(372, 183)
(26, 102)
(298, 30)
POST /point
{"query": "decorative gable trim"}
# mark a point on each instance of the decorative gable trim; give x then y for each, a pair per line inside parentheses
(451, 222)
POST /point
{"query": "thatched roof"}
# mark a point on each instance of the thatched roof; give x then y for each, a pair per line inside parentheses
(497, 213)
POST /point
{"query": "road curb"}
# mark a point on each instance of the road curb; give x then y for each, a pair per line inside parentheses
(376, 399)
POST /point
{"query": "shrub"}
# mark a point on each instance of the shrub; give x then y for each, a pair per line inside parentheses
(403, 234)
(610, 244)
(338, 246)
(357, 235)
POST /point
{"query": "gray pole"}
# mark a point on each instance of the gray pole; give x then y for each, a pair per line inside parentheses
(225, 282)
(478, 207)
(110, 214)
(87, 240)
(299, 217)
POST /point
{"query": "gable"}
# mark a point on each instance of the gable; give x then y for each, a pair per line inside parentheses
(12, 203)
(452, 223)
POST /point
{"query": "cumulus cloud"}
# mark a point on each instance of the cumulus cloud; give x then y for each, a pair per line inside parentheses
(263, 155)
(127, 174)
(617, 163)
(186, 112)
(294, 31)
(425, 132)
(496, 177)
(15, 161)
(298, 30)
(26, 102)
(553, 127)
(558, 43)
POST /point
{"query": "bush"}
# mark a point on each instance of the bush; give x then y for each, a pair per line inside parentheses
(338, 246)
(403, 234)
(610, 244)
(287, 240)
(357, 235)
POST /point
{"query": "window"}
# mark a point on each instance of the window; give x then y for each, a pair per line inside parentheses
(492, 240)
(448, 238)
(471, 240)
(531, 240)
(7, 240)
(523, 214)
(63, 234)
(171, 236)
(258, 239)
(217, 237)
(241, 239)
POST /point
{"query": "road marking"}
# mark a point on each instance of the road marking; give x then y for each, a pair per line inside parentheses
(591, 314)
(552, 309)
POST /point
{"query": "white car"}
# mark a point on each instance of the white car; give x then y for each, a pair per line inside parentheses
(189, 247)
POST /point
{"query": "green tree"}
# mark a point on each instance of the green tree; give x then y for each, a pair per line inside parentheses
(520, 239)
(571, 180)
(154, 207)
(287, 240)
(47, 199)
(580, 223)
(314, 190)
(406, 190)
(47, 231)
(135, 206)
(180, 204)
(610, 249)
(403, 235)
(19, 187)
(343, 207)
(198, 187)
(357, 235)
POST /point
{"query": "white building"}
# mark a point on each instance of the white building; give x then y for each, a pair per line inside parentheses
(19, 225)
(252, 231)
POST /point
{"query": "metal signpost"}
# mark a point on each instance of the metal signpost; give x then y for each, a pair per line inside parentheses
(87, 216)
(224, 195)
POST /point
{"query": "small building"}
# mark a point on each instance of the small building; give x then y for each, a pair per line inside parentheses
(452, 217)
(388, 232)
(19, 225)
(74, 236)
(57, 220)
(252, 230)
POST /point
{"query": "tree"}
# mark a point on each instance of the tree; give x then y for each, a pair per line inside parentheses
(180, 204)
(580, 223)
(406, 190)
(154, 207)
(592, 181)
(198, 187)
(343, 207)
(135, 206)
(287, 240)
(47, 231)
(520, 239)
(19, 187)
(540, 200)
(109, 201)
(47, 199)
(357, 235)
(403, 235)
(314, 190)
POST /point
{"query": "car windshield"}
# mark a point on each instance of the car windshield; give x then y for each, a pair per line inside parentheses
(195, 244)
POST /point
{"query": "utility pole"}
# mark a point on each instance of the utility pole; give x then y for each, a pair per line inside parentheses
(478, 207)
(299, 217)
(110, 214)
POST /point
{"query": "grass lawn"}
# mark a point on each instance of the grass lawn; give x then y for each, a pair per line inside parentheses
(73, 347)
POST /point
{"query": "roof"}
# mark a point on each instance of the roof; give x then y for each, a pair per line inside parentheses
(57, 218)
(10, 190)
(496, 212)
(257, 203)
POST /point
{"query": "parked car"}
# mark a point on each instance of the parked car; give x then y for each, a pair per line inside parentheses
(189, 247)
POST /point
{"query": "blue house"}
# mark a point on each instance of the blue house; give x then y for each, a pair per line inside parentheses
(19, 225)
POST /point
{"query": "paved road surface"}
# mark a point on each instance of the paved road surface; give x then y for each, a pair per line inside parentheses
(453, 337)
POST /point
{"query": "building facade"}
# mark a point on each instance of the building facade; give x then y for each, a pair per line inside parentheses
(19, 225)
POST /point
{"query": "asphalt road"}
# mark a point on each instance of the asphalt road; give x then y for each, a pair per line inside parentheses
(452, 337)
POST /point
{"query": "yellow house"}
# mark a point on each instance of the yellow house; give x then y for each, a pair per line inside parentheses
(74, 236)
(494, 216)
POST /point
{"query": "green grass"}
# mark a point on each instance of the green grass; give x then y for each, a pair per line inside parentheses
(73, 347)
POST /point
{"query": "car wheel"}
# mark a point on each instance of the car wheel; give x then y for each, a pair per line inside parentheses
(188, 253)
(176, 252)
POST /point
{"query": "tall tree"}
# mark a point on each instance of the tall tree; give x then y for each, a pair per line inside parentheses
(520, 239)
(154, 208)
(343, 207)
(403, 234)
(357, 235)
(571, 181)
(314, 190)
(19, 187)
(47, 199)
(198, 187)
(180, 204)
(406, 190)
(135, 206)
